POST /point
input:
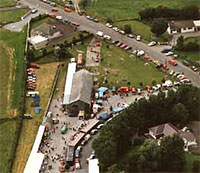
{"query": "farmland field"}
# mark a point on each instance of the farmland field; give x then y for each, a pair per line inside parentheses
(10, 16)
(128, 9)
(7, 134)
(30, 127)
(123, 68)
(7, 3)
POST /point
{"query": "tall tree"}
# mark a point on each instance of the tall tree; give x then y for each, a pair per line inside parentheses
(179, 113)
(180, 43)
(172, 147)
(159, 26)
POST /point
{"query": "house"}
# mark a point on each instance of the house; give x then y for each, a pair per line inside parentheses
(168, 129)
(80, 96)
(183, 26)
(163, 130)
(197, 24)
(42, 34)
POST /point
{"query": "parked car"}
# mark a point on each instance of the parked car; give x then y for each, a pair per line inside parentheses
(116, 42)
(119, 44)
(94, 131)
(171, 72)
(194, 68)
(54, 10)
(140, 53)
(121, 32)
(166, 50)
(59, 17)
(169, 53)
(139, 91)
(34, 11)
(79, 148)
(172, 62)
(130, 35)
(153, 43)
(84, 142)
(115, 29)
(77, 153)
(108, 25)
(67, 10)
(165, 67)
(123, 45)
(148, 58)
(87, 137)
(77, 163)
(28, 116)
(186, 63)
(138, 38)
(128, 48)
(95, 20)
(107, 37)
(100, 126)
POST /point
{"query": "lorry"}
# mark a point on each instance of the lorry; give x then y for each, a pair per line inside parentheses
(172, 62)
(186, 63)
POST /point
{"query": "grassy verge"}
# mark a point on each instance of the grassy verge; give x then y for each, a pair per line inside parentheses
(7, 134)
(7, 3)
(11, 16)
(45, 76)
(128, 9)
(123, 68)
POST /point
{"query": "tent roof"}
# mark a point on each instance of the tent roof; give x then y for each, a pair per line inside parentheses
(35, 159)
(68, 83)
(81, 87)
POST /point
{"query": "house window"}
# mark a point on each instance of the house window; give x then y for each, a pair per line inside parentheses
(189, 28)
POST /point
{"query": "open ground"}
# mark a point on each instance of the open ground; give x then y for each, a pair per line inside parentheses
(45, 77)
(8, 3)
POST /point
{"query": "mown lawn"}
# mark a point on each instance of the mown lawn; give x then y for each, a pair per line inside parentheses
(12, 16)
(128, 9)
(7, 134)
(45, 77)
(124, 68)
(7, 3)
(12, 65)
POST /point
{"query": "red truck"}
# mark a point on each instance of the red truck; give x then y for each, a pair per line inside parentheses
(52, 15)
(172, 62)
(123, 89)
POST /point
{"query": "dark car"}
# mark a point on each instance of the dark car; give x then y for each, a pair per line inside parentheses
(77, 153)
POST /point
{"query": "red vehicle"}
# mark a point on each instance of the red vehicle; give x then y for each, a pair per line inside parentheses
(68, 10)
(148, 58)
(54, 10)
(165, 67)
(52, 15)
(148, 87)
(34, 65)
(123, 45)
(123, 89)
(172, 62)
(133, 90)
(80, 59)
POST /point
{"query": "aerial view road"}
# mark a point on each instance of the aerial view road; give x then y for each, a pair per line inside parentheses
(94, 27)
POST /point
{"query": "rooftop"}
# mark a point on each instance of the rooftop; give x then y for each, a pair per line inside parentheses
(181, 24)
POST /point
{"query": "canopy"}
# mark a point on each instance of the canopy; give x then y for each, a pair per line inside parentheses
(101, 91)
(104, 116)
(117, 110)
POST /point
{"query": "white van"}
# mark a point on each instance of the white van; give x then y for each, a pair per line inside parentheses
(32, 93)
(87, 137)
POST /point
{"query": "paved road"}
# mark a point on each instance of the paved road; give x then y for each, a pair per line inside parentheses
(94, 27)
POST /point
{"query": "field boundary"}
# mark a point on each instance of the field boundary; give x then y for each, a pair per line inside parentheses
(52, 91)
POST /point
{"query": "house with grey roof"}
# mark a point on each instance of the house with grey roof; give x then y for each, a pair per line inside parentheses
(81, 90)
(168, 129)
(183, 26)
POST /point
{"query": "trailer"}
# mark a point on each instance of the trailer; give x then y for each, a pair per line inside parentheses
(172, 62)
(80, 60)
(32, 93)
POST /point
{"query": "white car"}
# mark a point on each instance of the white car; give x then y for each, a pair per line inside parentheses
(169, 53)
(130, 35)
(115, 29)
(135, 52)
(121, 32)
(87, 137)
(140, 53)
(77, 165)
(59, 17)
(108, 25)
(171, 72)
(79, 148)
(138, 38)
(34, 11)
(153, 43)
(94, 131)
(176, 83)
(100, 33)
(107, 37)
(185, 81)
(100, 126)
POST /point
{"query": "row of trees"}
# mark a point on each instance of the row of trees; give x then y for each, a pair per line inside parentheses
(191, 46)
(186, 13)
(118, 136)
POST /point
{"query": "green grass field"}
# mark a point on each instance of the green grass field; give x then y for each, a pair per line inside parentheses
(190, 56)
(128, 9)
(7, 3)
(123, 68)
(12, 16)
(7, 133)
(11, 71)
